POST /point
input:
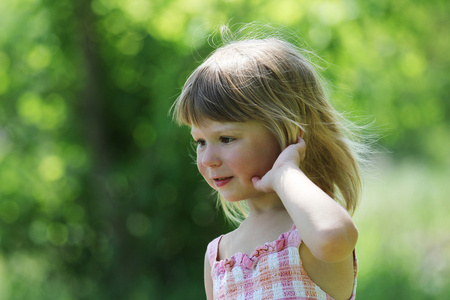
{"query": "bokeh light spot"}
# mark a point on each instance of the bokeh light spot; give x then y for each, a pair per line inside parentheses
(412, 65)
(38, 232)
(115, 23)
(170, 24)
(285, 12)
(130, 43)
(330, 13)
(39, 57)
(51, 168)
(53, 112)
(29, 106)
(138, 224)
(139, 10)
(320, 36)
(57, 234)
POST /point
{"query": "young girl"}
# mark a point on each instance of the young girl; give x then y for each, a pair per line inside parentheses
(269, 142)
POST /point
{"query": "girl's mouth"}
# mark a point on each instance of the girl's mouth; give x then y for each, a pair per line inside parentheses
(221, 181)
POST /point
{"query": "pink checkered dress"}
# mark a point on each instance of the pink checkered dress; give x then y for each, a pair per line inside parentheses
(272, 271)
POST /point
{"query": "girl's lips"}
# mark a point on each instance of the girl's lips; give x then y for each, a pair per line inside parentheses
(220, 182)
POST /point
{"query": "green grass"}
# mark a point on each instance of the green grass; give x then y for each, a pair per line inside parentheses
(404, 226)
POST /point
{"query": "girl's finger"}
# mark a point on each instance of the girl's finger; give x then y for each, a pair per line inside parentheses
(255, 179)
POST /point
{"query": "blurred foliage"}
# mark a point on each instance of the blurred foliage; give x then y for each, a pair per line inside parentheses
(98, 195)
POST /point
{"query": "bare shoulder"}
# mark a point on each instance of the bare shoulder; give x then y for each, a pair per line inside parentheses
(336, 279)
(224, 245)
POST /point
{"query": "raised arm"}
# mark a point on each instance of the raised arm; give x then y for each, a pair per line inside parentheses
(325, 226)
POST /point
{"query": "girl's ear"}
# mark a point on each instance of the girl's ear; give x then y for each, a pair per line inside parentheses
(300, 133)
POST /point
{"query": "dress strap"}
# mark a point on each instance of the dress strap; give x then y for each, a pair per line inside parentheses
(213, 248)
(293, 237)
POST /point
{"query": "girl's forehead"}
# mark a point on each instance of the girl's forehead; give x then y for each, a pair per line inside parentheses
(211, 127)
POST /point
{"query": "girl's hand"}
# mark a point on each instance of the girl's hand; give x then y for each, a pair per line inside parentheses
(288, 158)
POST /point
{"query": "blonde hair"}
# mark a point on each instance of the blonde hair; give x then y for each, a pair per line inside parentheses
(268, 80)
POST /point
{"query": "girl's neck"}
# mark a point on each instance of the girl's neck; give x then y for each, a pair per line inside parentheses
(267, 204)
(265, 226)
(266, 211)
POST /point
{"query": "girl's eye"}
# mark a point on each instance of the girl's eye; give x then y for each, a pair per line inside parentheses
(199, 143)
(226, 140)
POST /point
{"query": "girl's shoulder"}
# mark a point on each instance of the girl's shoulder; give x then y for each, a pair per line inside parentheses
(217, 247)
(224, 244)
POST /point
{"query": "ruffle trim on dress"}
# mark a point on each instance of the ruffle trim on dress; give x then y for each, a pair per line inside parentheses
(287, 239)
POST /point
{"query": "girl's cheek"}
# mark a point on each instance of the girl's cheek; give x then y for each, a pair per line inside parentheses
(198, 161)
(201, 169)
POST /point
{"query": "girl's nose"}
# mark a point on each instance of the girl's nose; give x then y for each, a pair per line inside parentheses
(210, 158)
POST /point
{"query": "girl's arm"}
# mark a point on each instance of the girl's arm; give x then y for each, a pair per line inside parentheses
(208, 279)
(325, 226)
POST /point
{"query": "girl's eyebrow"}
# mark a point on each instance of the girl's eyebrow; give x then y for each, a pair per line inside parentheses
(227, 128)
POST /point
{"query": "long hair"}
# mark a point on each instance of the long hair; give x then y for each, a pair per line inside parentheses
(269, 81)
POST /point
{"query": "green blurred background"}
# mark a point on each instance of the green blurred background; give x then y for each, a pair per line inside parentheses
(99, 198)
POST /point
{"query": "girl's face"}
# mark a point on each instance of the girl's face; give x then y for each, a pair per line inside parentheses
(229, 154)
